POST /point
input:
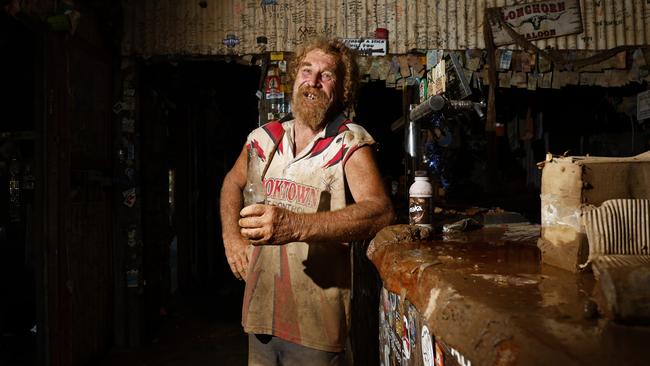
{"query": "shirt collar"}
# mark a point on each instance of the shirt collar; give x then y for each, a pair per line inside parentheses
(332, 127)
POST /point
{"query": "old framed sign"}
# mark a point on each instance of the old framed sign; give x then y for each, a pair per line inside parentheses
(539, 20)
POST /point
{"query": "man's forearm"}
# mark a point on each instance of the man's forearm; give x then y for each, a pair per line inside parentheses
(234, 243)
(230, 204)
(355, 222)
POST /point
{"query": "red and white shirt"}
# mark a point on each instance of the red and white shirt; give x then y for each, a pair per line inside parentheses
(299, 291)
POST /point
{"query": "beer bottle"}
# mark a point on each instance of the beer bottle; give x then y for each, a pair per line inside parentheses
(254, 191)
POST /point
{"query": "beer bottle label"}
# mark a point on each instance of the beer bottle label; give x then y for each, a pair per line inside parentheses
(420, 211)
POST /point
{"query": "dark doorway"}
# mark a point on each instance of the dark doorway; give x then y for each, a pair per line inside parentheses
(195, 118)
(18, 320)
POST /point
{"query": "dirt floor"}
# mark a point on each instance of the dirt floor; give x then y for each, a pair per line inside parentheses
(201, 330)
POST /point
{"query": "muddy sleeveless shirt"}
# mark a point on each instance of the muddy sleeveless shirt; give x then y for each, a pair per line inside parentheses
(299, 291)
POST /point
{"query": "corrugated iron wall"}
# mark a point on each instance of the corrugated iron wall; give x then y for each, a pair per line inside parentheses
(170, 27)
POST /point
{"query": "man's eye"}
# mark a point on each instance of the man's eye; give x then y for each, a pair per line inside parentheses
(306, 71)
(327, 76)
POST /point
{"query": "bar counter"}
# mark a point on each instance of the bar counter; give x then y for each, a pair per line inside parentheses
(484, 298)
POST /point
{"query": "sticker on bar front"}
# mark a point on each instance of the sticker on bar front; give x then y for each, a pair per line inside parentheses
(386, 354)
(440, 355)
(406, 342)
(412, 331)
(427, 347)
(462, 361)
(386, 300)
(393, 301)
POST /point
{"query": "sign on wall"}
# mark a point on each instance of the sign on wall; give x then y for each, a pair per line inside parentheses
(367, 46)
(544, 19)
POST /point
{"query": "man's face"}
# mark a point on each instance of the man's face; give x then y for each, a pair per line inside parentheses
(315, 88)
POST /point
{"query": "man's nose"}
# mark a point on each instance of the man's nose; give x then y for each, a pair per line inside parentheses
(315, 80)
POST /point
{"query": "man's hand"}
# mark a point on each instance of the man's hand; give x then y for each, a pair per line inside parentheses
(269, 225)
(237, 255)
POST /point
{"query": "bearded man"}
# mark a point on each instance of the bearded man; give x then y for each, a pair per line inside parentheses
(323, 191)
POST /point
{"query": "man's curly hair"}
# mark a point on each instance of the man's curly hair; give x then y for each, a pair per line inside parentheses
(347, 67)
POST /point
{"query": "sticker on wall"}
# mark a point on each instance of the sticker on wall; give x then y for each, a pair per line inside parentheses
(117, 108)
(128, 125)
(128, 82)
(128, 104)
(132, 278)
(367, 46)
(131, 236)
(261, 40)
(276, 56)
(126, 63)
(231, 40)
(505, 59)
(130, 152)
(261, 44)
(427, 347)
(130, 173)
(273, 85)
(129, 197)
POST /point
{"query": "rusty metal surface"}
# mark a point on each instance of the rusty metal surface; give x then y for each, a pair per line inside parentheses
(475, 295)
(164, 27)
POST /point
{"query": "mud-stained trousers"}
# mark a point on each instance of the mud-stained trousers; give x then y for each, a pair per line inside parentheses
(266, 350)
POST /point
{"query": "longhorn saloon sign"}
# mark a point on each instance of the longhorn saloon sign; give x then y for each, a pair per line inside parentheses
(539, 20)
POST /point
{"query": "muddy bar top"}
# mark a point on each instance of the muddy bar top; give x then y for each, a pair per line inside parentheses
(486, 293)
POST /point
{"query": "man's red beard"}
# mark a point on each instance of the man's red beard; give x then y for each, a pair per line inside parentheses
(312, 112)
